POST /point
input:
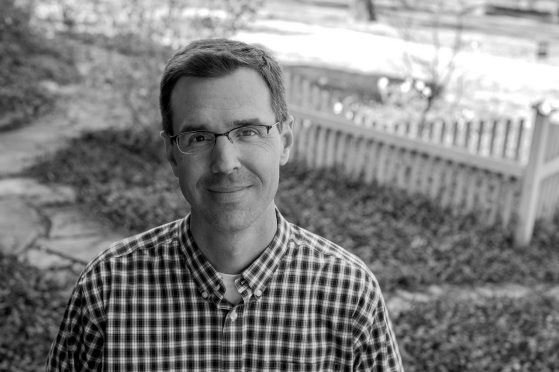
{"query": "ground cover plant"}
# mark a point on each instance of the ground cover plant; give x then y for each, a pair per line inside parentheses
(406, 240)
(31, 307)
(28, 61)
(471, 335)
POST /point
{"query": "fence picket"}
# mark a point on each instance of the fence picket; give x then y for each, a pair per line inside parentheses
(415, 164)
(330, 159)
(434, 185)
(394, 162)
(381, 163)
(446, 183)
(341, 145)
(493, 194)
(459, 187)
(519, 141)
(425, 174)
(442, 135)
(471, 190)
(361, 154)
(483, 194)
(492, 137)
(455, 131)
(371, 150)
(506, 137)
(400, 167)
(481, 136)
(388, 165)
(300, 142)
(321, 147)
(311, 143)
(350, 156)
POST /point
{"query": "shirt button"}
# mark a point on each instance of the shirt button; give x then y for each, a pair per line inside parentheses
(233, 315)
(205, 295)
(258, 293)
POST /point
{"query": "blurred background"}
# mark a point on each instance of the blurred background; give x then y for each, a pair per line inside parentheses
(427, 143)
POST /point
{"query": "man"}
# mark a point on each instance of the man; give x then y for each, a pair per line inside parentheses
(232, 286)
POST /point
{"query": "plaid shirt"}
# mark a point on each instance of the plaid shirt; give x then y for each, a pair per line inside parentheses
(153, 302)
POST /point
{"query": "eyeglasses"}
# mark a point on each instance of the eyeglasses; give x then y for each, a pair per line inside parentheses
(200, 141)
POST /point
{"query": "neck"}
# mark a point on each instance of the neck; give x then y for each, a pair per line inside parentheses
(231, 251)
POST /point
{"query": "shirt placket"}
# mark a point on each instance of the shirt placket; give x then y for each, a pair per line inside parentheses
(232, 340)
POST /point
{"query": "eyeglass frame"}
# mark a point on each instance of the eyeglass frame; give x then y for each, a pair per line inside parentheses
(173, 138)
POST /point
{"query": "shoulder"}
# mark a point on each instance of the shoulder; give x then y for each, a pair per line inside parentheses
(150, 243)
(332, 257)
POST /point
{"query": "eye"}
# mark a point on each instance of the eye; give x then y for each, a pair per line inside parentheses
(250, 131)
(196, 138)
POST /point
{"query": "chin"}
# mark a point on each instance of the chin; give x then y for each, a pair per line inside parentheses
(231, 219)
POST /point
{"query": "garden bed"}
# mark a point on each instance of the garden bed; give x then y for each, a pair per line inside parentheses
(491, 334)
(408, 241)
(29, 65)
(487, 334)
(32, 303)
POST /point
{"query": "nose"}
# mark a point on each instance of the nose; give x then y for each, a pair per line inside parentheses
(225, 156)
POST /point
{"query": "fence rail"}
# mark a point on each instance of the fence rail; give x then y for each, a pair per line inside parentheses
(505, 171)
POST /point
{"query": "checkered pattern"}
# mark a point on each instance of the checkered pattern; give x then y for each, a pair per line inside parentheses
(154, 303)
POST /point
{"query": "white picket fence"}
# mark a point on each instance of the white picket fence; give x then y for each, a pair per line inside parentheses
(506, 172)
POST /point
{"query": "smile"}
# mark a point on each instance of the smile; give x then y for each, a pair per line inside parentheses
(228, 189)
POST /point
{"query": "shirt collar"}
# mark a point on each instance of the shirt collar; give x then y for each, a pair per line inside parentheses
(255, 278)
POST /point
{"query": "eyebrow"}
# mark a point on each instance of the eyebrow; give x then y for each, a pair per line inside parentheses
(233, 124)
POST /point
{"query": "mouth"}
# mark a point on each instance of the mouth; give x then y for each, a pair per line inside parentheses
(226, 189)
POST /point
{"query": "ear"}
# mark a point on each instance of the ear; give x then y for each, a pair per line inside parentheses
(169, 152)
(286, 139)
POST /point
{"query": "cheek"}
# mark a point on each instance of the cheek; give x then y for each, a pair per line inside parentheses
(188, 174)
(269, 151)
(264, 160)
(267, 170)
(267, 148)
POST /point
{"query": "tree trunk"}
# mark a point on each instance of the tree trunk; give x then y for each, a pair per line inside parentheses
(363, 10)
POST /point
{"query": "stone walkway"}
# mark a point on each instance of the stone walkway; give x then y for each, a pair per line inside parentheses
(42, 222)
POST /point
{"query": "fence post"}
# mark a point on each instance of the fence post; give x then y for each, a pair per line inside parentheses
(531, 181)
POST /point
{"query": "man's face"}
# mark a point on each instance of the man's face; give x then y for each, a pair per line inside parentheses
(232, 186)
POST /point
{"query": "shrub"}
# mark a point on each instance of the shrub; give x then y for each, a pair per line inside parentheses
(31, 308)
(119, 176)
(495, 334)
(27, 58)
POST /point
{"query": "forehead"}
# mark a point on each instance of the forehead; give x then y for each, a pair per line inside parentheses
(217, 102)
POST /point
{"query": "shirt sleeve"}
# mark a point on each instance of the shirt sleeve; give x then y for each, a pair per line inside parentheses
(375, 347)
(78, 345)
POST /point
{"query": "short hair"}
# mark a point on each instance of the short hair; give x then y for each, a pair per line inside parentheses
(219, 57)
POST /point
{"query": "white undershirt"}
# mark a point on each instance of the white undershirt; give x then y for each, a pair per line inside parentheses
(231, 293)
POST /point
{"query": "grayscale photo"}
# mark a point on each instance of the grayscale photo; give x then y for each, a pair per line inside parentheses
(279, 185)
